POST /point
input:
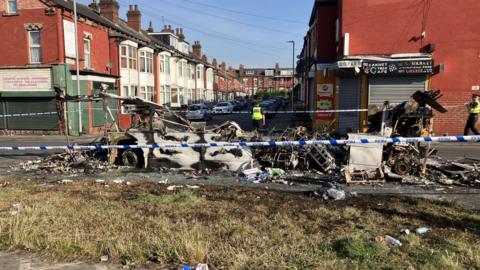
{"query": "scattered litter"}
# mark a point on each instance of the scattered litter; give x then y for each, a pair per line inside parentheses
(104, 258)
(66, 181)
(405, 231)
(423, 230)
(392, 241)
(163, 182)
(173, 187)
(380, 238)
(192, 187)
(16, 208)
(201, 266)
(118, 181)
(336, 194)
(100, 181)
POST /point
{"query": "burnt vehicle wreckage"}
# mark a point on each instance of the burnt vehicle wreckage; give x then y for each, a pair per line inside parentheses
(156, 124)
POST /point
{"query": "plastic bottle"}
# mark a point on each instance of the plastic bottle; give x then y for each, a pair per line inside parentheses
(423, 230)
(392, 241)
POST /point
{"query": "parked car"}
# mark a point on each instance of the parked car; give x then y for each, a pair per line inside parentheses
(198, 112)
(238, 105)
(279, 101)
(223, 107)
(268, 106)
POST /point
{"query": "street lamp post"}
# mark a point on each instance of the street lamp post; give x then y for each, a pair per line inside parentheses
(77, 64)
(293, 69)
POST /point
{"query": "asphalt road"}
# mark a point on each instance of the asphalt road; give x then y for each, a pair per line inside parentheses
(449, 151)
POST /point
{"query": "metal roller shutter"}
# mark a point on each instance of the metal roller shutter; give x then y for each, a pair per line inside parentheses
(394, 89)
(31, 105)
(349, 99)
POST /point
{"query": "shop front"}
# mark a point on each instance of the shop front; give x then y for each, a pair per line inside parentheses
(369, 82)
(28, 91)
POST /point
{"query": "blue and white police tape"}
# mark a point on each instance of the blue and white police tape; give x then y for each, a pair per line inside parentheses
(246, 144)
(287, 112)
(27, 114)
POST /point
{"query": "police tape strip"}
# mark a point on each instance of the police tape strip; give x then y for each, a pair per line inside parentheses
(27, 114)
(288, 112)
(246, 144)
(212, 112)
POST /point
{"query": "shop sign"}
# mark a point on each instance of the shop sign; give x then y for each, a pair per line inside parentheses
(349, 64)
(25, 80)
(324, 100)
(412, 67)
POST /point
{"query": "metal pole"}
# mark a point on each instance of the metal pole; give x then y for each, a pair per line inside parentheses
(77, 64)
(293, 72)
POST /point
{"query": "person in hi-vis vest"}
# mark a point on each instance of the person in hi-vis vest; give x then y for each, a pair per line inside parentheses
(473, 110)
(258, 117)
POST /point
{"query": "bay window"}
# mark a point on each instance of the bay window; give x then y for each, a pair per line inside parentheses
(128, 57)
(146, 62)
(200, 73)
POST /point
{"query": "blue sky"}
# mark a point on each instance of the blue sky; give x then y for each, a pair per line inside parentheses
(255, 41)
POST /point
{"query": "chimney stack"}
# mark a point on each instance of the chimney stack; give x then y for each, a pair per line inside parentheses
(109, 9)
(134, 18)
(94, 6)
(204, 58)
(197, 49)
(150, 28)
(241, 70)
(180, 35)
(222, 66)
(214, 63)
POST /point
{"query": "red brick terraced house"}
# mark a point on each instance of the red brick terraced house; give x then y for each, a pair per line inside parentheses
(360, 53)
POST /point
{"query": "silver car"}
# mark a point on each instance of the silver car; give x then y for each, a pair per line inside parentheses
(198, 112)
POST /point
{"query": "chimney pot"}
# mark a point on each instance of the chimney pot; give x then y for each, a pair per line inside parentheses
(134, 18)
(109, 9)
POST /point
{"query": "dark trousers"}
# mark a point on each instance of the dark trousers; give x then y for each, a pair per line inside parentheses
(257, 124)
(472, 124)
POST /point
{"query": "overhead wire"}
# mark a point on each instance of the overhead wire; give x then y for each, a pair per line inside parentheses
(239, 43)
(246, 13)
(256, 26)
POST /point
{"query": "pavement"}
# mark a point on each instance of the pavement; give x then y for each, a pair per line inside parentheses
(24, 261)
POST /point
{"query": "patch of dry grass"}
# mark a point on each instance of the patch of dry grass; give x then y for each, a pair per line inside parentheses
(234, 228)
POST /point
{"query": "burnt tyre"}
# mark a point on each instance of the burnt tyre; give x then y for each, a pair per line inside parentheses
(131, 158)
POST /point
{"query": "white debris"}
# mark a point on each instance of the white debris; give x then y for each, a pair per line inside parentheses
(66, 181)
(173, 187)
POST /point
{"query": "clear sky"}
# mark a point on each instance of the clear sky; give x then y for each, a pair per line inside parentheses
(249, 32)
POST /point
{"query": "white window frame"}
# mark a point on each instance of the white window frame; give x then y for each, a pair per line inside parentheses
(87, 53)
(34, 46)
(200, 73)
(164, 64)
(132, 58)
(146, 62)
(11, 10)
(124, 56)
(180, 69)
(150, 94)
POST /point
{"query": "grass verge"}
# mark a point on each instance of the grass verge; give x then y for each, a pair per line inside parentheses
(234, 228)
